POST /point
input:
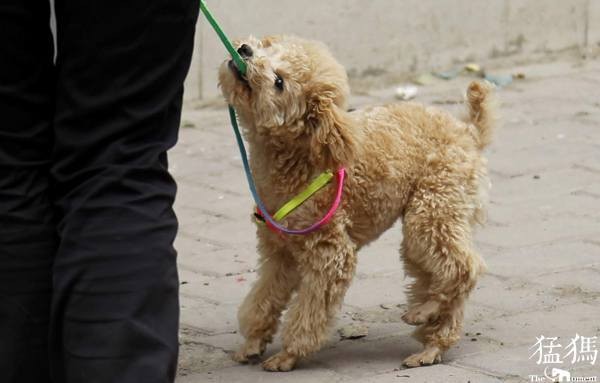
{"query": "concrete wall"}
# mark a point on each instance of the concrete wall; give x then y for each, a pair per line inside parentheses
(593, 33)
(389, 37)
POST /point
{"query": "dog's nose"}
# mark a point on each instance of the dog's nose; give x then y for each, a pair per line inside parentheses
(245, 51)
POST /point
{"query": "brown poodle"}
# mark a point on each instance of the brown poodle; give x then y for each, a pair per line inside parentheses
(403, 161)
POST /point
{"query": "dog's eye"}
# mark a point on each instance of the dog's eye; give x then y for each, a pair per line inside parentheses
(278, 82)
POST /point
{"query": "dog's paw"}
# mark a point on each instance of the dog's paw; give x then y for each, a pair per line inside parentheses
(282, 361)
(250, 352)
(427, 357)
(425, 313)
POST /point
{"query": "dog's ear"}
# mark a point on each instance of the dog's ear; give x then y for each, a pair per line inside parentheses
(333, 134)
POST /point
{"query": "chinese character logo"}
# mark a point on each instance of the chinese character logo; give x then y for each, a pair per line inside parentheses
(586, 352)
(549, 352)
(544, 348)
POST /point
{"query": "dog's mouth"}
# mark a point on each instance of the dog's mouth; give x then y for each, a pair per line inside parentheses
(238, 74)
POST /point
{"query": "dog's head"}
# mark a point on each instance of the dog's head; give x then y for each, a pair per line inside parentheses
(294, 91)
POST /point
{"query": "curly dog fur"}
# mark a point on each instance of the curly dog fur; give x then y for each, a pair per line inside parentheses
(404, 161)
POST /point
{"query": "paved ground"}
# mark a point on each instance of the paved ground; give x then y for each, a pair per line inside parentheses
(542, 246)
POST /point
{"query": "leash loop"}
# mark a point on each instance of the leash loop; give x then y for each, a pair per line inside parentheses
(241, 65)
(341, 175)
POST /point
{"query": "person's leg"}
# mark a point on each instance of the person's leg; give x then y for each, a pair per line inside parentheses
(27, 231)
(121, 66)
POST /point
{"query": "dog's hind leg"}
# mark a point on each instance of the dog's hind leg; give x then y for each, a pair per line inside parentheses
(420, 308)
(439, 335)
(438, 252)
(326, 270)
(260, 312)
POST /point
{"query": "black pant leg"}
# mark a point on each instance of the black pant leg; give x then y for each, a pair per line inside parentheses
(27, 230)
(121, 66)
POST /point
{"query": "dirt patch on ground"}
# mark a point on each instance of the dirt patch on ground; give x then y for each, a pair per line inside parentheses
(196, 357)
(570, 291)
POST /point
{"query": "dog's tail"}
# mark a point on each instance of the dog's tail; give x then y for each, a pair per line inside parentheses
(482, 112)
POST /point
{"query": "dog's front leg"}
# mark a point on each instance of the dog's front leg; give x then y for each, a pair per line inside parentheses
(326, 270)
(259, 313)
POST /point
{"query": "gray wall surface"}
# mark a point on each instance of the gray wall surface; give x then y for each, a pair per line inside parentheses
(388, 37)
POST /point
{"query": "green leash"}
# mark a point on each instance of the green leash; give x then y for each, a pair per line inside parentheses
(239, 61)
(319, 183)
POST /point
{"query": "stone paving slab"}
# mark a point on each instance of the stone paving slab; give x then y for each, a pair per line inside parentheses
(541, 244)
(433, 374)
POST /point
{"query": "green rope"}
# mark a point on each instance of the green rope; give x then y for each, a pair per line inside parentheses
(319, 183)
(239, 61)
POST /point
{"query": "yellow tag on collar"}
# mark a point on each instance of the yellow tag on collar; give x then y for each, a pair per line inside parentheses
(318, 184)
